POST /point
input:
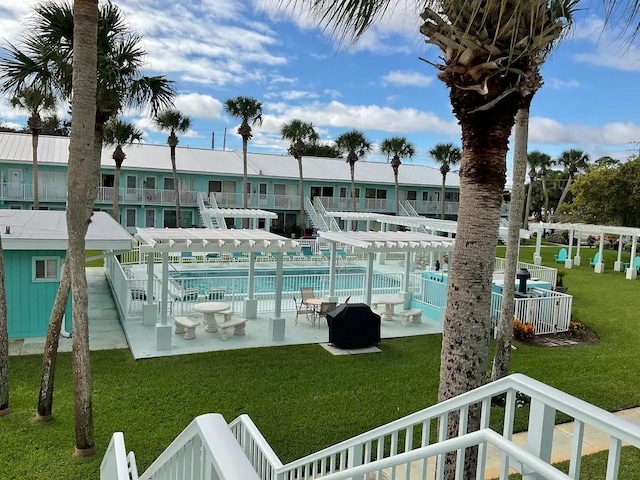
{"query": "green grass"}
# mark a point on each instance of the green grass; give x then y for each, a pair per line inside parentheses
(94, 263)
(302, 398)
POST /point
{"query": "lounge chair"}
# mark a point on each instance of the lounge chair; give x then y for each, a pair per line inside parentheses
(293, 256)
(636, 264)
(325, 253)
(308, 253)
(595, 260)
(347, 257)
(561, 257)
(187, 257)
(239, 257)
(212, 257)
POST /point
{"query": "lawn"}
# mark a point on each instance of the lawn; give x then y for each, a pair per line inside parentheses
(302, 398)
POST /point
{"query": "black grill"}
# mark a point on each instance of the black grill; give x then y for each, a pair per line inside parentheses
(353, 325)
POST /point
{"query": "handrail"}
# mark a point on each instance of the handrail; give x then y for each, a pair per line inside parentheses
(115, 463)
(209, 441)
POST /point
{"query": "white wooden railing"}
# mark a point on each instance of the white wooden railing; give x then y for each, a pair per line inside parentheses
(116, 463)
(544, 274)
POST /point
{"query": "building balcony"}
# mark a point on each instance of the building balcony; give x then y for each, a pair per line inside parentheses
(146, 196)
(24, 192)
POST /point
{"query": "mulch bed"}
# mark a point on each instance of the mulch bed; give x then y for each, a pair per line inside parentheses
(577, 337)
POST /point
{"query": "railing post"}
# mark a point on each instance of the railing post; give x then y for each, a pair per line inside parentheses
(540, 434)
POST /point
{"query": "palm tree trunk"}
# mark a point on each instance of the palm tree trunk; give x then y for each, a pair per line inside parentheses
(527, 209)
(564, 193)
(444, 178)
(245, 193)
(546, 197)
(47, 375)
(34, 155)
(116, 194)
(465, 334)
(301, 188)
(176, 188)
(353, 186)
(81, 155)
(395, 179)
(4, 342)
(502, 356)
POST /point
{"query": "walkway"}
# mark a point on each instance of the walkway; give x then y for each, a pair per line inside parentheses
(105, 332)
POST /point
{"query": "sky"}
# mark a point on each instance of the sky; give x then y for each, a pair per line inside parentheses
(218, 49)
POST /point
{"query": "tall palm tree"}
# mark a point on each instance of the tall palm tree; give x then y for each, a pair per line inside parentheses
(354, 145)
(119, 133)
(44, 62)
(174, 122)
(447, 155)
(573, 161)
(300, 134)
(249, 111)
(4, 342)
(536, 160)
(34, 101)
(545, 163)
(397, 148)
(488, 47)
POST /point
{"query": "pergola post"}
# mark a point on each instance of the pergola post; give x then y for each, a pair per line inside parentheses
(382, 255)
(632, 273)
(250, 303)
(577, 259)
(537, 258)
(618, 266)
(277, 323)
(163, 330)
(150, 309)
(405, 293)
(369, 279)
(333, 259)
(599, 268)
(568, 263)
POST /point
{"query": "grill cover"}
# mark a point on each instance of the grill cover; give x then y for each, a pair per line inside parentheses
(353, 325)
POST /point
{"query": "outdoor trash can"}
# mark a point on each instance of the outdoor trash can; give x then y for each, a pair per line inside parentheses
(353, 325)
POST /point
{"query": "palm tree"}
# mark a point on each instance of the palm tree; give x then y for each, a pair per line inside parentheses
(573, 161)
(545, 163)
(537, 161)
(174, 122)
(484, 59)
(4, 342)
(447, 155)
(34, 101)
(354, 145)
(45, 63)
(300, 134)
(249, 111)
(399, 148)
(119, 133)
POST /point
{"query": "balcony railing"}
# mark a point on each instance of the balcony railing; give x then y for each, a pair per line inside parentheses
(385, 205)
(24, 192)
(146, 196)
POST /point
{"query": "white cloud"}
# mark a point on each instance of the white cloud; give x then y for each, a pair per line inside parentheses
(611, 49)
(549, 131)
(291, 94)
(404, 78)
(330, 92)
(557, 84)
(198, 105)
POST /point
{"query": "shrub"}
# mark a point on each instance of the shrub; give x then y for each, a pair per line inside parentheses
(559, 238)
(522, 331)
(574, 327)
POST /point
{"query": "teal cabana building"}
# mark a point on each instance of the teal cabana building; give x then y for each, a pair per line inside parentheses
(34, 249)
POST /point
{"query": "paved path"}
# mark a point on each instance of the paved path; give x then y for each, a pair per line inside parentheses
(105, 331)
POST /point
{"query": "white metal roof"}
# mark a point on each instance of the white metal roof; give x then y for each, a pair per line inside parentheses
(16, 147)
(587, 228)
(390, 241)
(433, 224)
(213, 240)
(46, 229)
(240, 213)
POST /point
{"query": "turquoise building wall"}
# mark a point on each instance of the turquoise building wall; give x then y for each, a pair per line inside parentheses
(29, 302)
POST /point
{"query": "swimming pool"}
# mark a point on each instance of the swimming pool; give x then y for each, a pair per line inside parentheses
(235, 281)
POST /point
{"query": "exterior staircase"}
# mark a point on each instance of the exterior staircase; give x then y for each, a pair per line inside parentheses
(331, 222)
(205, 205)
(210, 449)
(317, 220)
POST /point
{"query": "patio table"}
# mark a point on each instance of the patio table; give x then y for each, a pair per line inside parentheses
(209, 309)
(389, 302)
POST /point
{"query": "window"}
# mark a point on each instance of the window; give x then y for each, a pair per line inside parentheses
(262, 188)
(412, 195)
(107, 180)
(187, 219)
(167, 183)
(46, 269)
(327, 191)
(357, 192)
(375, 193)
(425, 196)
(132, 181)
(343, 192)
(131, 217)
(149, 218)
(149, 183)
(279, 189)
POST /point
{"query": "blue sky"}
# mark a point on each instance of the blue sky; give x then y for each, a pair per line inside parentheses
(217, 49)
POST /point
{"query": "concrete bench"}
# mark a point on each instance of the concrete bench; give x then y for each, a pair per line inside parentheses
(186, 326)
(237, 323)
(227, 314)
(411, 316)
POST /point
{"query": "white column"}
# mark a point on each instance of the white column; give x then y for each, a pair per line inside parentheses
(405, 293)
(382, 256)
(163, 330)
(577, 259)
(540, 433)
(277, 323)
(369, 283)
(250, 303)
(150, 309)
(599, 267)
(632, 273)
(333, 260)
(569, 262)
(537, 258)
(618, 266)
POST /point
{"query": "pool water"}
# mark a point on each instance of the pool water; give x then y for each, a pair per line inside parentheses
(236, 280)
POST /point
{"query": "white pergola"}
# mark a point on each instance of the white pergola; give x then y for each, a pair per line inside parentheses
(590, 229)
(381, 242)
(251, 213)
(165, 240)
